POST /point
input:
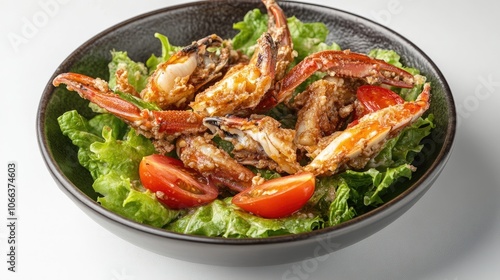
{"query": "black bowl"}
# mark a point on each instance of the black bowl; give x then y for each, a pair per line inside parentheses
(184, 24)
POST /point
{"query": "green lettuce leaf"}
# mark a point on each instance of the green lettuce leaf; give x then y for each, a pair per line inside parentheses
(383, 181)
(388, 56)
(324, 194)
(372, 184)
(78, 129)
(137, 76)
(253, 25)
(141, 206)
(137, 73)
(222, 218)
(112, 152)
(167, 50)
(286, 116)
(340, 210)
(307, 37)
(123, 155)
(404, 147)
(356, 192)
(140, 103)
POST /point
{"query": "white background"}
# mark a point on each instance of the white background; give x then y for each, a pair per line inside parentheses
(452, 233)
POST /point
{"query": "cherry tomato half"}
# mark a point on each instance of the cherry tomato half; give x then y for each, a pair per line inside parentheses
(175, 185)
(373, 98)
(278, 197)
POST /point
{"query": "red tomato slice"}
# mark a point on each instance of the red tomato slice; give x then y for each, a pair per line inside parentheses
(175, 185)
(278, 197)
(373, 98)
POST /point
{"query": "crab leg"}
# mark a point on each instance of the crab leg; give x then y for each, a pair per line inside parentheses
(342, 64)
(241, 89)
(278, 28)
(158, 125)
(360, 142)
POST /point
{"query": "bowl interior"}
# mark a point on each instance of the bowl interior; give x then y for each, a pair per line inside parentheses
(185, 23)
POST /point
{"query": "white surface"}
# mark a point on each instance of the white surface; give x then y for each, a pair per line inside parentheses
(452, 233)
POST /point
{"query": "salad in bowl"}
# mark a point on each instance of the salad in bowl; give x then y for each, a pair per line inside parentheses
(271, 132)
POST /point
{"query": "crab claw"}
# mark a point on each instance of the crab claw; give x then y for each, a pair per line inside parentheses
(357, 144)
(98, 92)
(161, 126)
(343, 64)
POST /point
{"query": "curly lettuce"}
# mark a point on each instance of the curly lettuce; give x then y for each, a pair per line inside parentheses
(222, 218)
(307, 38)
(112, 152)
(137, 73)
